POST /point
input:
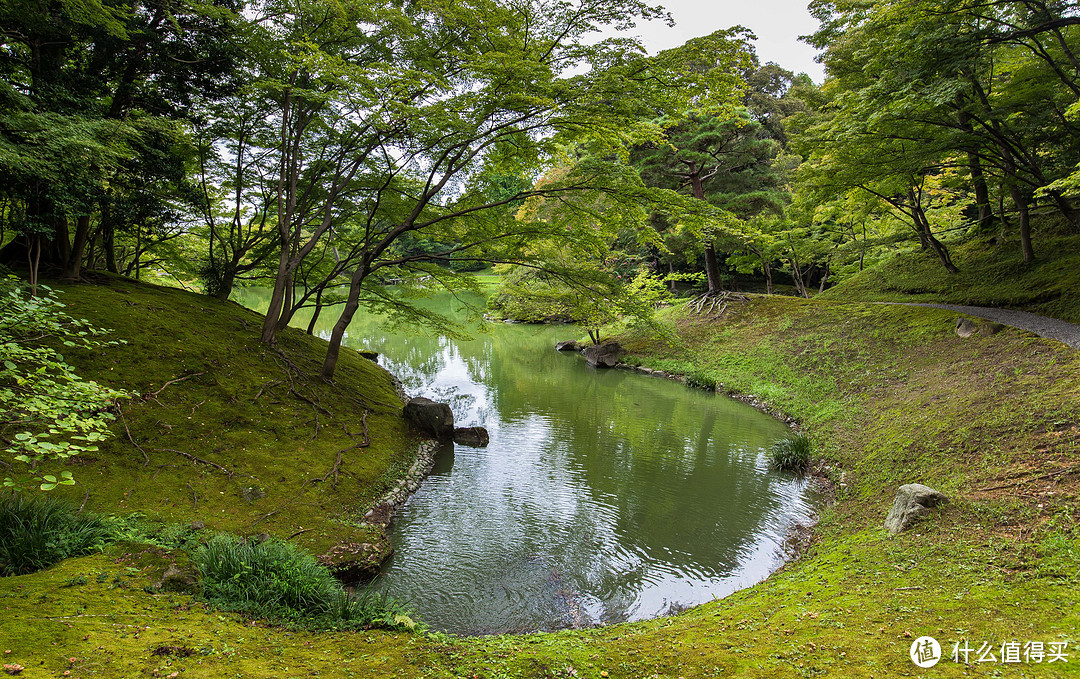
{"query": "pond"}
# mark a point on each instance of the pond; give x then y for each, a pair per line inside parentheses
(603, 496)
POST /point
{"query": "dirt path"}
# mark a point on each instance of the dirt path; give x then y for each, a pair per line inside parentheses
(1043, 326)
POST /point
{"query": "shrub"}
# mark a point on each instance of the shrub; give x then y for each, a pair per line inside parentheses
(277, 581)
(792, 455)
(36, 531)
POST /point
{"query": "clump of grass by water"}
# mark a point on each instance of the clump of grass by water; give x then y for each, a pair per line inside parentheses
(278, 581)
(37, 531)
(791, 455)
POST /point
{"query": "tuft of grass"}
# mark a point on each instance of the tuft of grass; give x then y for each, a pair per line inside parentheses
(275, 580)
(791, 455)
(37, 531)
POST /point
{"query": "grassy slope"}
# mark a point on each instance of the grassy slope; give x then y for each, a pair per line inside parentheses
(888, 393)
(989, 276)
(232, 407)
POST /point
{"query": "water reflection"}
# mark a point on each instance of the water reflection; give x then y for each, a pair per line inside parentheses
(603, 496)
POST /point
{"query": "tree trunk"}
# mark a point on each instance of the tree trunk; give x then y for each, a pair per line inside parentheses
(315, 314)
(937, 246)
(351, 305)
(226, 281)
(277, 301)
(824, 278)
(926, 234)
(712, 269)
(73, 264)
(797, 274)
(985, 213)
(288, 306)
(33, 256)
(108, 243)
(1067, 209)
(1022, 202)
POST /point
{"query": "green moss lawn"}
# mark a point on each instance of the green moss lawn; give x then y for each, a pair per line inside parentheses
(889, 395)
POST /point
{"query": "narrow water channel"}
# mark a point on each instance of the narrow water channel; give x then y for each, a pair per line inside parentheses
(604, 496)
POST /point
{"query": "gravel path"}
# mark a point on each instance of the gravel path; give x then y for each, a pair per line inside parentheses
(1043, 326)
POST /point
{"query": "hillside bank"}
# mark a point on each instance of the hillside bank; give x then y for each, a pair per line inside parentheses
(890, 394)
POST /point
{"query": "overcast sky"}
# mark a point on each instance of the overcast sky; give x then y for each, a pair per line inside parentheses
(776, 23)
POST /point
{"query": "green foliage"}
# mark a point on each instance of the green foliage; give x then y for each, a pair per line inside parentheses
(791, 455)
(278, 581)
(137, 527)
(991, 274)
(50, 414)
(37, 531)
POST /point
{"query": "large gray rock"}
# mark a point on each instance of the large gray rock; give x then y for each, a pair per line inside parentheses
(432, 419)
(606, 355)
(474, 437)
(912, 501)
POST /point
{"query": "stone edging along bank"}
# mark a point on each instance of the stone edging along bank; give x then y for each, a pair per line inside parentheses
(748, 399)
(357, 562)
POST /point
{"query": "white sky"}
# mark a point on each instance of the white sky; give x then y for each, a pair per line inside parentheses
(776, 23)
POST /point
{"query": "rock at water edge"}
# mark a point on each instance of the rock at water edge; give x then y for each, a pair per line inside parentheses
(474, 437)
(606, 355)
(432, 419)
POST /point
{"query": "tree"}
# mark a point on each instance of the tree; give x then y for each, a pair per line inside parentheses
(726, 161)
(373, 155)
(89, 95)
(984, 84)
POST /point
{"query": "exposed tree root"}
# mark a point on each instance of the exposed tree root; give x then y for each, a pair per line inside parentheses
(199, 460)
(363, 443)
(154, 394)
(269, 385)
(714, 303)
(130, 437)
(1021, 482)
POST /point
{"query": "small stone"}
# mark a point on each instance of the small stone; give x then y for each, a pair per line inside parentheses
(176, 579)
(966, 327)
(197, 525)
(912, 501)
(568, 345)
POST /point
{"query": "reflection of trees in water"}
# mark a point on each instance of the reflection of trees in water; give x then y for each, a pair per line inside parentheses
(677, 465)
(597, 486)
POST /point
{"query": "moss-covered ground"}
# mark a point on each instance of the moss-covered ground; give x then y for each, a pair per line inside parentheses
(992, 273)
(889, 395)
(227, 431)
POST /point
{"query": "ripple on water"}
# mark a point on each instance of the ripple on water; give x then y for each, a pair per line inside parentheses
(602, 497)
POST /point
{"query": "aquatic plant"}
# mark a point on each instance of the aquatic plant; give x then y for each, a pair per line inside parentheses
(791, 454)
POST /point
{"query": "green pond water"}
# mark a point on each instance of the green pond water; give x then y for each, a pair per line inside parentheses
(604, 496)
